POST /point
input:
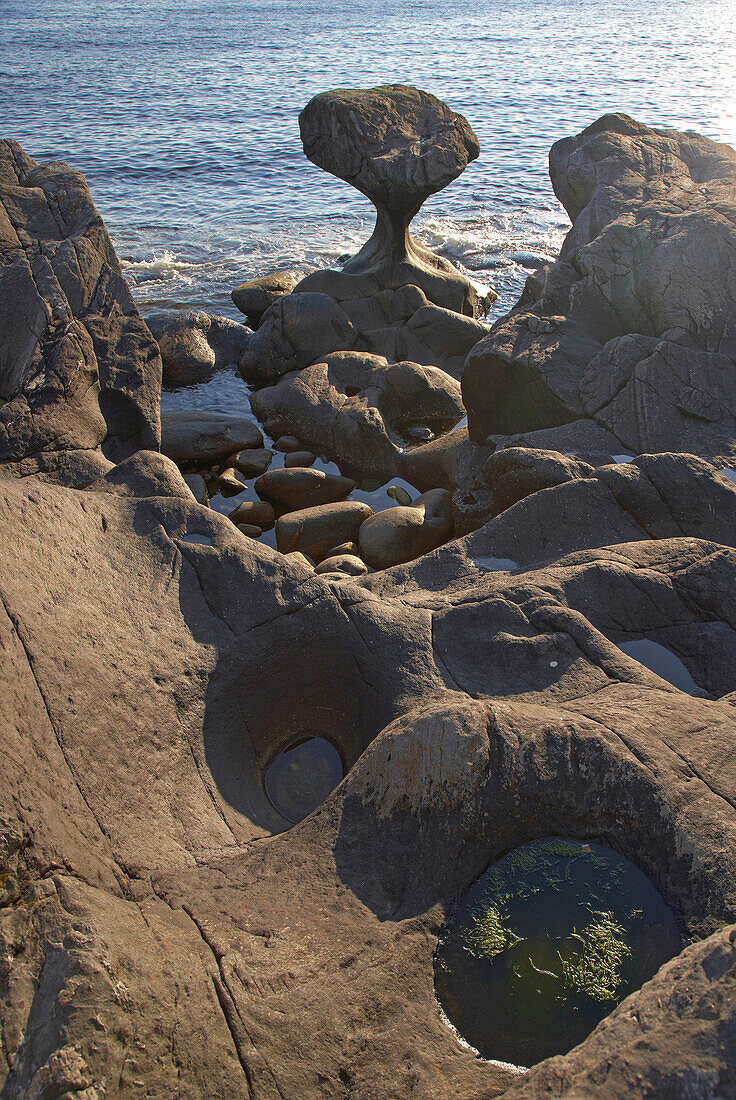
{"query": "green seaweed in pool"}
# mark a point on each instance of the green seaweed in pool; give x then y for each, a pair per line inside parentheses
(545, 944)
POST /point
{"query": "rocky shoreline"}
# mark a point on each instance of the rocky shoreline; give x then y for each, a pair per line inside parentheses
(453, 608)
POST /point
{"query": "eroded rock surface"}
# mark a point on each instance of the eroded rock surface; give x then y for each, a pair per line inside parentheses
(360, 409)
(165, 931)
(79, 370)
(633, 327)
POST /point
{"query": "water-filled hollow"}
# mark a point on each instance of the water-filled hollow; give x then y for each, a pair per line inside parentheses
(301, 776)
(545, 944)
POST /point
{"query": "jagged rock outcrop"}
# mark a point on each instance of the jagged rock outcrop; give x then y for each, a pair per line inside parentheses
(633, 327)
(80, 374)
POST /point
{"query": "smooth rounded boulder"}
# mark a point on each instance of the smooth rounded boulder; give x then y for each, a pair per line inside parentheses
(197, 438)
(255, 296)
(302, 487)
(316, 530)
(400, 534)
(194, 345)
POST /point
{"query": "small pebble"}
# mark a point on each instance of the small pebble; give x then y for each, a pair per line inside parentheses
(299, 458)
(370, 485)
(419, 433)
(230, 482)
(250, 530)
(400, 495)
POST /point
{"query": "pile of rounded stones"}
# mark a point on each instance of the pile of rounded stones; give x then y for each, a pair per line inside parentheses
(313, 519)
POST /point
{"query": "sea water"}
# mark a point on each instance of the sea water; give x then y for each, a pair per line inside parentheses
(183, 115)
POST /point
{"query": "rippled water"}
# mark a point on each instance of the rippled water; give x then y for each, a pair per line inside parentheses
(183, 116)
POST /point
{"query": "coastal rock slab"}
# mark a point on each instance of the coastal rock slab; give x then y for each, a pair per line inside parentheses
(633, 326)
(461, 741)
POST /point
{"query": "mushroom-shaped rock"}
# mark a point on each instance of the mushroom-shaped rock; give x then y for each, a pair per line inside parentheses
(401, 534)
(397, 145)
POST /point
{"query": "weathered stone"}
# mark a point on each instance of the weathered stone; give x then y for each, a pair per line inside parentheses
(255, 296)
(198, 488)
(192, 438)
(356, 407)
(144, 474)
(299, 458)
(230, 482)
(295, 331)
(633, 326)
(194, 345)
(252, 530)
(400, 534)
(302, 487)
(251, 462)
(315, 530)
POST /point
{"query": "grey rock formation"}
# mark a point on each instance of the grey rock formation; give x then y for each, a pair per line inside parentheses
(634, 326)
(398, 145)
(358, 409)
(194, 345)
(330, 314)
(79, 371)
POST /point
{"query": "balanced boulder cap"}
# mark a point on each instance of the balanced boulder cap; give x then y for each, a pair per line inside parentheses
(395, 143)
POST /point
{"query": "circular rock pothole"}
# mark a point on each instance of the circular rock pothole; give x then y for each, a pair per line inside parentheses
(300, 778)
(545, 944)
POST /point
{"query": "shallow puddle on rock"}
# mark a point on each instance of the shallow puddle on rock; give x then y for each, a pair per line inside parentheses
(729, 472)
(198, 540)
(301, 777)
(492, 565)
(545, 944)
(622, 458)
(657, 658)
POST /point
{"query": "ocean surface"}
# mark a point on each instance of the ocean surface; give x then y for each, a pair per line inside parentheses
(183, 116)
